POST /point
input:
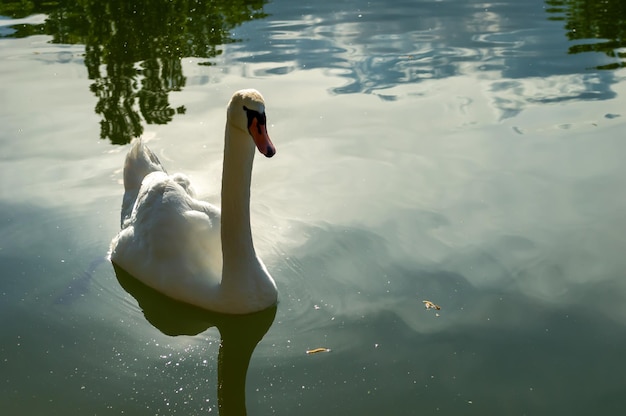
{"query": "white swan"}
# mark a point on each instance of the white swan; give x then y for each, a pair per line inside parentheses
(183, 247)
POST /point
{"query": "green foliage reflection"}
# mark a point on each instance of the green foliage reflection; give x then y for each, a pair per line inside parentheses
(594, 19)
(133, 49)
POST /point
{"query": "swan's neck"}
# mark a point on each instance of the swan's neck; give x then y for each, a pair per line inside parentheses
(237, 246)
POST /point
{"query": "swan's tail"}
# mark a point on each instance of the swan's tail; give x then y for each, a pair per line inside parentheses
(140, 161)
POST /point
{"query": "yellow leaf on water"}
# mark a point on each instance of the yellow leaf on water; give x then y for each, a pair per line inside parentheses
(429, 305)
(316, 350)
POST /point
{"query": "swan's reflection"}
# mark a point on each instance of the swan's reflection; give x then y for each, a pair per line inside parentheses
(239, 336)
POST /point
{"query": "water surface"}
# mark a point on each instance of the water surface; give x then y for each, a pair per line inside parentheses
(461, 152)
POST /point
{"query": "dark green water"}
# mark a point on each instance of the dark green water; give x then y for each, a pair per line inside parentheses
(465, 153)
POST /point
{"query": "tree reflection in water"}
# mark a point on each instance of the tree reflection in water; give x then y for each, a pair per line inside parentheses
(593, 19)
(133, 50)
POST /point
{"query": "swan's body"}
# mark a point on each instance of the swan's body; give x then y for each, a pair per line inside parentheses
(185, 248)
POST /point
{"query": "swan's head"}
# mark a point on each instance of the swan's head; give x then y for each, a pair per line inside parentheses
(246, 111)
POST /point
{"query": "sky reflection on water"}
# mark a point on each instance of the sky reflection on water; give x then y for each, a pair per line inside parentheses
(447, 151)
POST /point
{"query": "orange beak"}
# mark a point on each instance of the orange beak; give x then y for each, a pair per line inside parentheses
(261, 138)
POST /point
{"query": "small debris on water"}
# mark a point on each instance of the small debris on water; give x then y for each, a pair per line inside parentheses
(429, 305)
(317, 350)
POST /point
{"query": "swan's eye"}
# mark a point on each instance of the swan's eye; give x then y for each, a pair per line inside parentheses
(252, 114)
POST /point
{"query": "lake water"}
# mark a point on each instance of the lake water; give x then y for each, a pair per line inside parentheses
(460, 152)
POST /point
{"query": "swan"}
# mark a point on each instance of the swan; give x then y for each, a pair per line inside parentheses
(186, 248)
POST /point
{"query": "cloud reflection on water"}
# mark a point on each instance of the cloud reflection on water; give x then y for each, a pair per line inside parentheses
(382, 50)
(492, 347)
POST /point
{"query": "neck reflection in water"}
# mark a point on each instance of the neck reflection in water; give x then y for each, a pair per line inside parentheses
(239, 336)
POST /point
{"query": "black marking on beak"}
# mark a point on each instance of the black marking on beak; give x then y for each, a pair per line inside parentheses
(252, 114)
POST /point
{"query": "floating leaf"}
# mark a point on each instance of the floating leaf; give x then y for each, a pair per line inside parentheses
(316, 350)
(429, 305)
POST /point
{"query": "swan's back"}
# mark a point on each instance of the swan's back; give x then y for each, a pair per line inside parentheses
(169, 240)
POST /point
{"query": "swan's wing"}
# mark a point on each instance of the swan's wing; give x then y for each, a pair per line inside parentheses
(140, 162)
(203, 222)
(169, 234)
